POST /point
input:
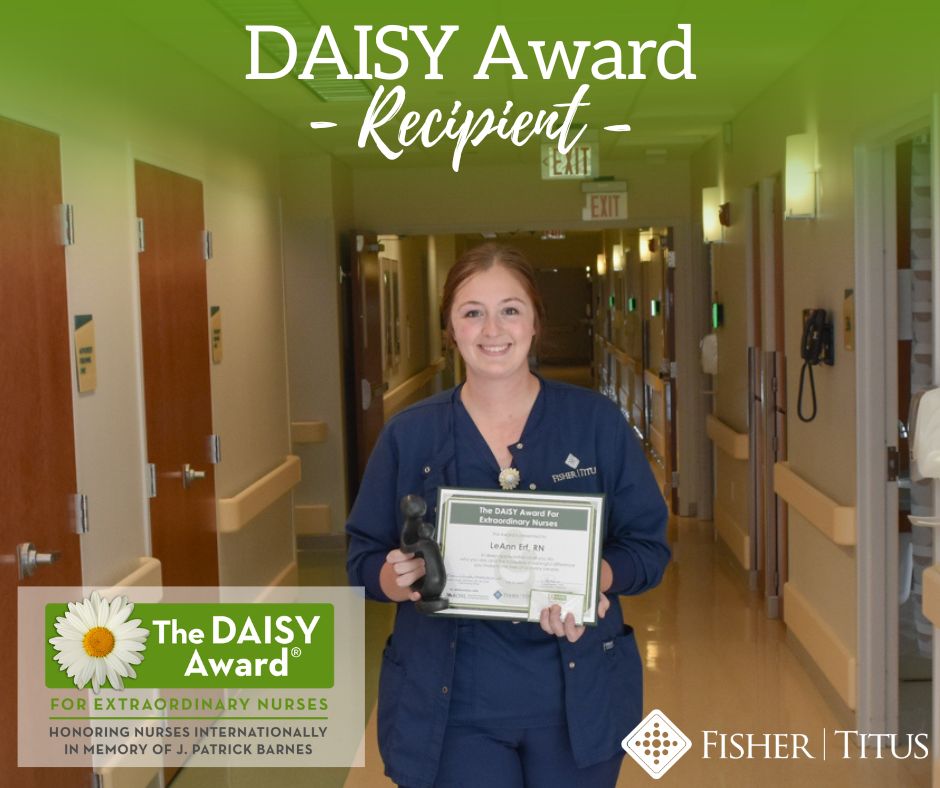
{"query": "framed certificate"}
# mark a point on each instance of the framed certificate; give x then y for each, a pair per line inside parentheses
(508, 555)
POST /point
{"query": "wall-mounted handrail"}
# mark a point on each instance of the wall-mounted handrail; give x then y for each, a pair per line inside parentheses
(932, 594)
(621, 355)
(834, 520)
(398, 396)
(728, 440)
(235, 512)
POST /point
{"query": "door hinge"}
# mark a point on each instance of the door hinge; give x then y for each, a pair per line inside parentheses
(673, 369)
(207, 245)
(151, 480)
(79, 510)
(773, 385)
(215, 449)
(141, 246)
(97, 781)
(892, 464)
(67, 224)
(675, 480)
(671, 259)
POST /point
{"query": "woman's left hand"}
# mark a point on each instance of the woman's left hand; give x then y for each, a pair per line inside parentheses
(553, 624)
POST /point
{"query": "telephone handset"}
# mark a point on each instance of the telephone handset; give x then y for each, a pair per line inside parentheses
(816, 347)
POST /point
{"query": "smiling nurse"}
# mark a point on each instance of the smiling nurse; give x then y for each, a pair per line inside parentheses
(467, 702)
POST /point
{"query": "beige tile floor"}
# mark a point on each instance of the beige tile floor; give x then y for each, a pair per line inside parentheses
(713, 662)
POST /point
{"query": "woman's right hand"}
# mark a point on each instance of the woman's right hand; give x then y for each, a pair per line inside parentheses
(398, 572)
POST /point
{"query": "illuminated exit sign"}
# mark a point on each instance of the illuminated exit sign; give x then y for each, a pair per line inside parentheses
(604, 201)
(579, 162)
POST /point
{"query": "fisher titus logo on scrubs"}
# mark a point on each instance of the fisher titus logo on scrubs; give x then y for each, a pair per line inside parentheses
(243, 645)
(656, 744)
(576, 471)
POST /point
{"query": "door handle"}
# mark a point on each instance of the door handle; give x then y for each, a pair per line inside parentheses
(190, 475)
(369, 390)
(28, 558)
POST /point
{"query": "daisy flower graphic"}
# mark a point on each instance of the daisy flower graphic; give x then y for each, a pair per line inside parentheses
(97, 642)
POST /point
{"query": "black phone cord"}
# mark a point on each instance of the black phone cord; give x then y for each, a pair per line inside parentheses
(812, 388)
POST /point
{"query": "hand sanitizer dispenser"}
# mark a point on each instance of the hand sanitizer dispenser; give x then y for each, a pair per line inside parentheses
(709, 348)
(924, 435)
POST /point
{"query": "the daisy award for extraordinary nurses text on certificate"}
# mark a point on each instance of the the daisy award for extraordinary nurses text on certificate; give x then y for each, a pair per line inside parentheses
(509, 555)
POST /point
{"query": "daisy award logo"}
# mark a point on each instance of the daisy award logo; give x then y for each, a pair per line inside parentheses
(656, 744)
(97, 642)
(265, 645)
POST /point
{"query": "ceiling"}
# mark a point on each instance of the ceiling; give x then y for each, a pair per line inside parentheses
(738, 51)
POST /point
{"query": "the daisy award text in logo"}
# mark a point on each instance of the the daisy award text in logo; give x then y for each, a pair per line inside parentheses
(95, 643)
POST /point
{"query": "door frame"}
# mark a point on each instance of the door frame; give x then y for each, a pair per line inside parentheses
(876, 399)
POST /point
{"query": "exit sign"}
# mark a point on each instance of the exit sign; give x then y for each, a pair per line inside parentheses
(579, 162)
(604, 206)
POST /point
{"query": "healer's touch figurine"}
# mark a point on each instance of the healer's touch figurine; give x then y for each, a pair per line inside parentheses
(417, 538)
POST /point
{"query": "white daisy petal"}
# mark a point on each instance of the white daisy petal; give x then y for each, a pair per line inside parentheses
(116, 665)
(88, 613)
(84, 673)
(101, 673)
(114, 678)
(119, 616)
(69, 630)
(104, 610)
(80, 614)
(130, 633)
(129, 657)
(78, 620)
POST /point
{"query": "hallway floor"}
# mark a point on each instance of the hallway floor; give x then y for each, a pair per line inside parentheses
(714, 662)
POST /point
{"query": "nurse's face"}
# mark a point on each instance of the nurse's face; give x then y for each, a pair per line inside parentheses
(493, 322)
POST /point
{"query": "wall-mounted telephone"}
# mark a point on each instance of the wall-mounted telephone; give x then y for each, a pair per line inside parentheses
(816, 347)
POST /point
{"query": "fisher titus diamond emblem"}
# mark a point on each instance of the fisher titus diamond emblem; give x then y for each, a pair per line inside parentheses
(656, 744)
(572, 461)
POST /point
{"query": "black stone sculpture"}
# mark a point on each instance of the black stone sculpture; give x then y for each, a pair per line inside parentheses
(417, 538)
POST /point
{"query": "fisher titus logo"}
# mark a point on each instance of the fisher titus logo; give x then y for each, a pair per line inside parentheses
(572, 461)
(656, 744)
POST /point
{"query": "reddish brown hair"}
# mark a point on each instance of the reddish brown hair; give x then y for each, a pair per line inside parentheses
(482, 258)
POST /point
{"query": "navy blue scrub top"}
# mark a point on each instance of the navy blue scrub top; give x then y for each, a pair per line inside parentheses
(505, 673)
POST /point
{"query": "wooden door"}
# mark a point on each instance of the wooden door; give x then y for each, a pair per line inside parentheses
(175, 336)
(364, 396)
(37, 450)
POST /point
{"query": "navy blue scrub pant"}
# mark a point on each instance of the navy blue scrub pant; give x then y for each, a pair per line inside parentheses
(475, 756)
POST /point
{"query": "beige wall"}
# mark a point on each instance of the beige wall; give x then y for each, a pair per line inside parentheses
(316, 199)
(842, 104)
(508, 197)
(106, 121)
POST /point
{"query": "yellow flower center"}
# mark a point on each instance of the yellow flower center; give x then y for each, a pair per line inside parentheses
(98, 642)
